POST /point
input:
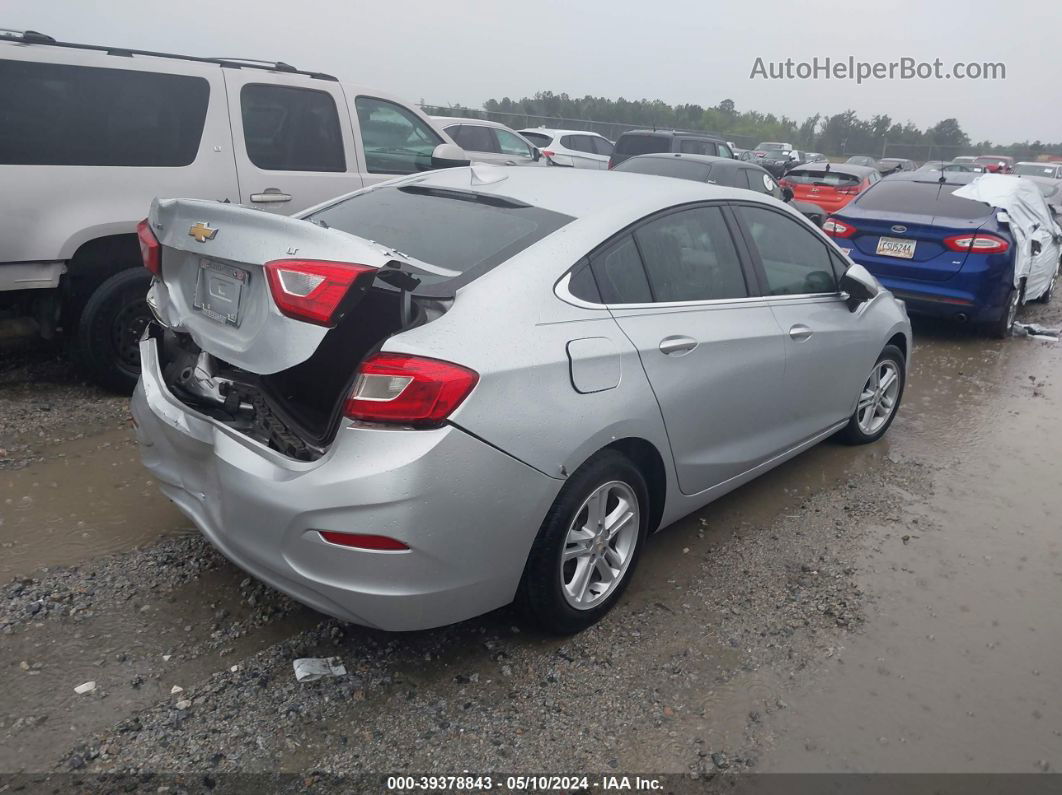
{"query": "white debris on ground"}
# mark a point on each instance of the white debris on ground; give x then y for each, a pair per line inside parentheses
(307, 669)
(85, 687)
(1035, 331)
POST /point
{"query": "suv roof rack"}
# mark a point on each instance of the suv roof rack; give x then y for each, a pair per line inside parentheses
(34, 37)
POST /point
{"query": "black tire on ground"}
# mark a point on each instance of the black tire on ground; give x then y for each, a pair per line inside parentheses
(852, 433)
(106, 346)
(540, 596)
(1000, 329)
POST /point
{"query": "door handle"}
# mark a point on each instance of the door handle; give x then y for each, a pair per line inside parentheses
(677, 346)
(799, 332)
(270, 196)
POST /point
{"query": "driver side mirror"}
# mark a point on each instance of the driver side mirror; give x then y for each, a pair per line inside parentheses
(449, 156)
(787, 195)
(859, 285)
(536, 154)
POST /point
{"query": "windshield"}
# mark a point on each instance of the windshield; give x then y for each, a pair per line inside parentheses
(666, 167)
(920, 198)
(1036, 170)
(464, 232)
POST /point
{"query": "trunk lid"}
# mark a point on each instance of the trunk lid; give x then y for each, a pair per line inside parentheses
(214, 285)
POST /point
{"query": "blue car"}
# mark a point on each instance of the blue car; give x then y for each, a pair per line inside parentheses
(943, 255)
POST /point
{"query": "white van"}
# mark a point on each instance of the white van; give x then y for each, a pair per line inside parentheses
(89, 135)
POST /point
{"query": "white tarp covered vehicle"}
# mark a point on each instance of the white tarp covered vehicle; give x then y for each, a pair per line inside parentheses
(1038, 237)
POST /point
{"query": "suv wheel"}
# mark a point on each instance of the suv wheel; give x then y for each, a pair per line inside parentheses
(107, 345)
(588, 546)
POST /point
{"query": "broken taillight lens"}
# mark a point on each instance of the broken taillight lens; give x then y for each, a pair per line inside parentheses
(400, 389)
(312, 290)
(150, 249)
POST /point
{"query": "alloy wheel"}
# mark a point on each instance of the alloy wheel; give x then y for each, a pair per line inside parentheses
(599, 545)
(879, 397)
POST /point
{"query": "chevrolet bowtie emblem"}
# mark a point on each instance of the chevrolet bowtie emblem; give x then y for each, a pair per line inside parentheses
(202, 232)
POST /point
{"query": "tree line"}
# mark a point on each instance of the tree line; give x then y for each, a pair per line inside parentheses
(839, 134)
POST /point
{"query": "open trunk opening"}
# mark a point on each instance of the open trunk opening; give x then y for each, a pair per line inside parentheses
(296, 411)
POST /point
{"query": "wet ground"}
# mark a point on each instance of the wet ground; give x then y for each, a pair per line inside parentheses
(886, 608)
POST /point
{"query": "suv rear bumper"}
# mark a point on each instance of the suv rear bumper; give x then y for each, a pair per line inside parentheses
(468, 512)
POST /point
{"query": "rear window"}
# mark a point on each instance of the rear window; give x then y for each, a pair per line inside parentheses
(642, 144)
(59, 115)
(666, 167)
(538, 139)
(822, 178)
(462, 232)
(921, 198)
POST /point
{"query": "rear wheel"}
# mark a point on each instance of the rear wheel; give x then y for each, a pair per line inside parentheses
(587, 547)
(107, 345)
(878, 400)
(1000, 329)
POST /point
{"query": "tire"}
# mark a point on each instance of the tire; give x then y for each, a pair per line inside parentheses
(873, 426)
(548, 595)
(106, 347)
(1000, 329)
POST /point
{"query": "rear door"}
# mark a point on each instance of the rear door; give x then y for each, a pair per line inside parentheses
(582, 152)
(478, 141)
(710, 346)
(292, 138)
(829, 350)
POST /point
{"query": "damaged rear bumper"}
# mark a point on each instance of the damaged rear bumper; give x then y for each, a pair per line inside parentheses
(468, 512)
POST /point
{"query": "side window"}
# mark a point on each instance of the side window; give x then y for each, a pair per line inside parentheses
(396, 140)
(697, 146)
(473, 138)
(796, 262)
(620, 276)
(601, 146)
(690, 256)
(840, 265)
(724, 150)
(59, 115)
(569, 142)
(509, 144)
(291, 129)
(582, 284)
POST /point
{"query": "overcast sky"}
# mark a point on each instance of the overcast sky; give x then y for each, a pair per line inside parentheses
(680, 51)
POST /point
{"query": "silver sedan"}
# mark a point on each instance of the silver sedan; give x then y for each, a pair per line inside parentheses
(439, 395)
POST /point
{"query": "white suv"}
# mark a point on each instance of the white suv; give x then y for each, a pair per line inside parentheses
(573, 148)
(89, 135)
(490, 142)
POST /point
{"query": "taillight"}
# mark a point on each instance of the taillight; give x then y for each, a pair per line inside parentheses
(848, 191)
(835, 227)
(784, 183)
(983, 244)
(408, 390)
(611, 163)
(311, 290)
(364, 541)
(150, 249)
(547, 153)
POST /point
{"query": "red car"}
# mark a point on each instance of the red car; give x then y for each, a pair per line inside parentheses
(829, 185)
(997, 164)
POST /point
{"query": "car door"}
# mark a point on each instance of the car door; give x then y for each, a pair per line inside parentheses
(829, 349)
(581, 150)
(710, 346)
(514, 150)
(292, 139)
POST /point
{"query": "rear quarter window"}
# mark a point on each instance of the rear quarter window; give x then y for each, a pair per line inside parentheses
(642, 144)
(920, 198)
(61, 115)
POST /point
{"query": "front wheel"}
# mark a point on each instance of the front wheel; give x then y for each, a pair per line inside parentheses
(878, 400)
(107, 345)
(587, 547)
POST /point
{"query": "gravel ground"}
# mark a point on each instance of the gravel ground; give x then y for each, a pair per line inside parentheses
(734, 611)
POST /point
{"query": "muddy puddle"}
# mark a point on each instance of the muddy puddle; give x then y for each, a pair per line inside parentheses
(88, 498)
(957, 669)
